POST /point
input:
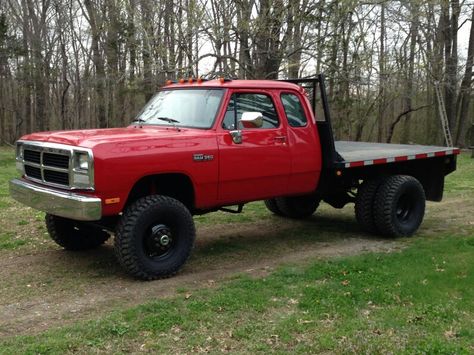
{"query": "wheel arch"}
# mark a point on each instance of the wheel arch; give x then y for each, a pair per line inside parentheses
(176, 185)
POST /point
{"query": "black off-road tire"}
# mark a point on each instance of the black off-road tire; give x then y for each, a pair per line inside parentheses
(364, 204)
(399, 206)
(273, 207)
(138, 235)
(74, 235)
(297, 207)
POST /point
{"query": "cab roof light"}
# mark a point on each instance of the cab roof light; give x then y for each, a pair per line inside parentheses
(190, 80)
(223, 80)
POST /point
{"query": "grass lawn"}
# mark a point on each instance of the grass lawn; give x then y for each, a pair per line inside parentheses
(418, 298)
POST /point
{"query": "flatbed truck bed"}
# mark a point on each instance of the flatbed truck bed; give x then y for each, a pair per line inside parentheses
(356, 154)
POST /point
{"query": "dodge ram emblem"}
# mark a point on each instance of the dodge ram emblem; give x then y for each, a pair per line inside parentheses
(203, 157)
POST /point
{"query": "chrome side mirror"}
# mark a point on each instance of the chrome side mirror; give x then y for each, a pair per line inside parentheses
(236, 136)
(252, 120)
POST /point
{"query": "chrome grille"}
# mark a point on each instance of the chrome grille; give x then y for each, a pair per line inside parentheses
(56, 160)
(55, 164)
(47, 165)
(33, 171)
(33, 156)
(56, 177)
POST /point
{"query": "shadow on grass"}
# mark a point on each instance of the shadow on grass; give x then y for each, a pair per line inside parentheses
(278, 235)
(239, 243)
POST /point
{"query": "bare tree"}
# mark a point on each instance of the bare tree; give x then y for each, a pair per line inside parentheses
(93, 63)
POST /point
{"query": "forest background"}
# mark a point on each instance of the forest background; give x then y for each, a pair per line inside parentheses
(94, 63)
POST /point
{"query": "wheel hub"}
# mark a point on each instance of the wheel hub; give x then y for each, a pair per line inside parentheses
(158, 241)
(404, 208)
(164, 240)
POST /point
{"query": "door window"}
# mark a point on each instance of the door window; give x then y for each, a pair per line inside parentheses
(294, 110)
(240, 103)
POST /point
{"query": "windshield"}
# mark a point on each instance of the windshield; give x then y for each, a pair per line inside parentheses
(183, 108)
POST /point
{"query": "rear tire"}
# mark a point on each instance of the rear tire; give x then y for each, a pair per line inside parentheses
(74, 235)
(154, 237)
(273, 207)
(364, 204)
(297, 207)
(399, 206)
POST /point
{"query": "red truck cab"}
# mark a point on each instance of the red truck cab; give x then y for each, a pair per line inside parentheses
(199, 146)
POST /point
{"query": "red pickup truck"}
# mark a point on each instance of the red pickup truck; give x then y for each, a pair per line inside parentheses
(201, 146)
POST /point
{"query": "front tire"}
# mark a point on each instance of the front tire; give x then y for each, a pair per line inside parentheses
(399, 206)
(74, 235)
(154, 237)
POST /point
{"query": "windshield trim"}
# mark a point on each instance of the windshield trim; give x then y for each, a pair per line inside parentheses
(210, 127)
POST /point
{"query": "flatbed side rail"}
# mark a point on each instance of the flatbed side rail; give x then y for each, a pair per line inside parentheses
(396, 159)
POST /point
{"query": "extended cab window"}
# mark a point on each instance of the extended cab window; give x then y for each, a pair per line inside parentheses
(195, 108)
(240, 103)
(294, 110)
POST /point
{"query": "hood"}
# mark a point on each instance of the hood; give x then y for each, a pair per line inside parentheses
(89, 138)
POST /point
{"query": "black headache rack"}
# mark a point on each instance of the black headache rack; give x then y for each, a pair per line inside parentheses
(328, 150)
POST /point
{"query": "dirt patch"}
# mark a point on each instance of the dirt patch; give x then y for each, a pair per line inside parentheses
(50, 288)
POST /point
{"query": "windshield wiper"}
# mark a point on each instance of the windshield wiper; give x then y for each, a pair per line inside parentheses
(167, 119)
(171, 121)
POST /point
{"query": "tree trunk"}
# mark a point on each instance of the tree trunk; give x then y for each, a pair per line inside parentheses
(99, 65)
(465, 91)
(382, 78)
(411, 70)
(147, 49)
(451, 58)
(39, 80)
(244, 11)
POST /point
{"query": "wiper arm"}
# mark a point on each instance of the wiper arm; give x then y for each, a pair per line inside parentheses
(167, 119)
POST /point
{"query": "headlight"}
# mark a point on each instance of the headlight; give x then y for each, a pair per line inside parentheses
(83, 171)
(81, 161)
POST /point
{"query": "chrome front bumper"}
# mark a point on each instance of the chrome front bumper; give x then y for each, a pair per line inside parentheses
(58, 203)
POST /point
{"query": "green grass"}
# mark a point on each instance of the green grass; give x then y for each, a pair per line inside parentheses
(17, 221)
(7, 171)
(417, 299)
(461, 181)
(10, 241)
(420, 300)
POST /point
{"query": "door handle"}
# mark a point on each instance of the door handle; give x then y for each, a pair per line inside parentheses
(280, 139)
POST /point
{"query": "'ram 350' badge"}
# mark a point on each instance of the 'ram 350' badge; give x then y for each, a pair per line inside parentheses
(203, 157)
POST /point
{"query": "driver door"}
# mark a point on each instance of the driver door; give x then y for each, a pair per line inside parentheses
(259, 166)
